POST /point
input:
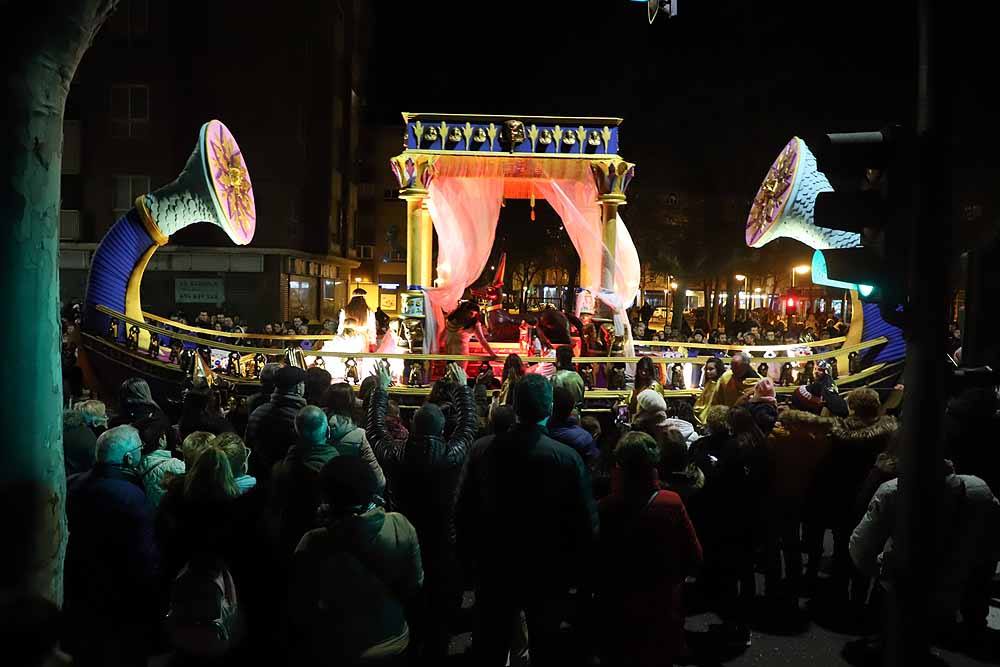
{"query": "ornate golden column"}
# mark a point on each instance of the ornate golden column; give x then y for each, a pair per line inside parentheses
(612, 178)
(414, 173)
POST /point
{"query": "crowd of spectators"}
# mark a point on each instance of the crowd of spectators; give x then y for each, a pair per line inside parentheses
(317, 524)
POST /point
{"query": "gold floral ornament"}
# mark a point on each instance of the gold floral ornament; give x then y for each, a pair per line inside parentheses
(231, 182)
(773, 194)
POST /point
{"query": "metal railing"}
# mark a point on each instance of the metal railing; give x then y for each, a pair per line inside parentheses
(244, 362)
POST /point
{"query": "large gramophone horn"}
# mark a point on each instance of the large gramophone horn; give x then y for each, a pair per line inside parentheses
(786, 201)
(214, 187)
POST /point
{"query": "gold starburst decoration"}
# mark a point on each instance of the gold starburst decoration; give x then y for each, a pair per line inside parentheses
(773, 192)
(232, 182)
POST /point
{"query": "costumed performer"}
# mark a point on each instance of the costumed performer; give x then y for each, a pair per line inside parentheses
(459, 327)
(358, 316)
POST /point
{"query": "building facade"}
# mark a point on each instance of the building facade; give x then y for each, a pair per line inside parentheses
(155, 73)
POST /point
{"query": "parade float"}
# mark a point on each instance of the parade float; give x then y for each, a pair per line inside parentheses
(454, 173)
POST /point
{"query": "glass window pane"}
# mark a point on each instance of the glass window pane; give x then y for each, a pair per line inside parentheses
(119, 102)
(140, 186)
(140, 103)
(122, 195)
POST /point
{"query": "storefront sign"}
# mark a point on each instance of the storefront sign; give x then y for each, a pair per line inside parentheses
(387, 301)
(199, 290)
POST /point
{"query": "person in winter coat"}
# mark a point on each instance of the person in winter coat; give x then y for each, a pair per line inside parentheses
(271, 428)
(763, 405)
(95, 415)
(565, 428)
(676, 472)
(856, 441)
(797, 446)
(135, 401)
(346, 437)
(652, 417)
(295, 489)
(156, 465)
(730, 505)
(423, 471)
(239, 457)
(566, 375)
(79, 443)
(967, 519)
(647, 547)
(524, 488)
(200, 412)
(267, 376)
(355, 578)
(112, 560)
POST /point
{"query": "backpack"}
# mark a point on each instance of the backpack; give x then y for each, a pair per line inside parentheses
(203, 610)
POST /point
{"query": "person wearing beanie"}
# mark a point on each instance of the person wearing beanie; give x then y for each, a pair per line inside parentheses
(267, 374)
(524, 488)
(271, 427)
(356, 579)
(763, 405)
(424, 469)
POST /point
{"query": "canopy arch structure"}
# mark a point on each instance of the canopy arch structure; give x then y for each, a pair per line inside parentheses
(456, 170)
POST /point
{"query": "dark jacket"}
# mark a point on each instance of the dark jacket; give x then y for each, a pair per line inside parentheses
(423, 473)
(295, 492)
(112, 560)
(571, 433)
(271, 432)
(203, 421)
(855, 446)
(79, 443)
(350, 586)
(523, 488)
(354, 442)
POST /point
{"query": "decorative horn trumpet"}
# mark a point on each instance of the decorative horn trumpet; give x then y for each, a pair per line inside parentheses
(214, 187)
(785, 203)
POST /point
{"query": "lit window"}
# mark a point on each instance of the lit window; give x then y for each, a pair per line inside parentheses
(129, 111)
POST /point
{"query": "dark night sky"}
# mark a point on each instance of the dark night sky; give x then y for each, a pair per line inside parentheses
(708, 97)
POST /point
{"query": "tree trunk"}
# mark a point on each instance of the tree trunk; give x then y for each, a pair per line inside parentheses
(680, 298)
(43, 42)
(716, 304)
(731, 298)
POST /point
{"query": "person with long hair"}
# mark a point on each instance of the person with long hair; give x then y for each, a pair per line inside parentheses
(459, 327)
(513, 371)
(135, 401)
(647, 376)
(714, 370)
(197, 516)
(641, 523)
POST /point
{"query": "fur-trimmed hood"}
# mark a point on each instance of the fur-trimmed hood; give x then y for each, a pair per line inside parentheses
(791, 419)
(852, 430)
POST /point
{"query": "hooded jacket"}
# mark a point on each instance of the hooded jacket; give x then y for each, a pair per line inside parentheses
(423, 474)
(524, 488)
(797, 446)
(152, 470)
(350, 583)
(856, 444)
(271, 431)
(349, 440)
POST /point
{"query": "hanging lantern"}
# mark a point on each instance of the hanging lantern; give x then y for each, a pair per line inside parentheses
(532, 203)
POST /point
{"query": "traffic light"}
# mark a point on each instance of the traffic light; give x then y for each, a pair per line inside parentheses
(847, 201)
(868, 198)
(791, 304)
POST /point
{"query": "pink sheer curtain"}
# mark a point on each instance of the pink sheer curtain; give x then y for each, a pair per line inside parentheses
(465, 213)
(576, 203)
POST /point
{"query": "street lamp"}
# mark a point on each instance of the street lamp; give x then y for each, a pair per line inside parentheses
(743, 279)
(801, 269)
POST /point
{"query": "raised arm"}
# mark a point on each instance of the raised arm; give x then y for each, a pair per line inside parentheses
(387, 450)
(468, 420)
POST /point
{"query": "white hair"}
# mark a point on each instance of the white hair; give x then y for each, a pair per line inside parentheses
(115, 443)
